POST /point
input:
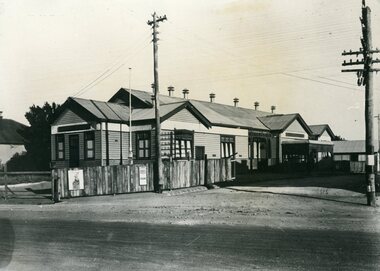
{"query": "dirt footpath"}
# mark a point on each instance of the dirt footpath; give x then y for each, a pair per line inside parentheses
(275, 206)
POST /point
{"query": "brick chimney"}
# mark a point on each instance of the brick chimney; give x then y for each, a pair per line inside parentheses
(185, 93)
(273, 108)
(212, 97)
(171, 90)
(256, 105)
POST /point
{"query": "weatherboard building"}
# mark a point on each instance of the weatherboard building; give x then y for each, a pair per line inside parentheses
(95, 133)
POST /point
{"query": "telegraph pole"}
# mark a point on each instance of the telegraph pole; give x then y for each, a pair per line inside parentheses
(158, 169)
(365, 77)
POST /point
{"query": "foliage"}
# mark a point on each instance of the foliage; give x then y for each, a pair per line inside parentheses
(37, 136)
(21, 162)
(338, 138)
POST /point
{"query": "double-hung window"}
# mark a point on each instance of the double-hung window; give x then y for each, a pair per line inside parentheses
(143, 145)
(183, 147)
(60, 147)
(89, 145)
(227, 145)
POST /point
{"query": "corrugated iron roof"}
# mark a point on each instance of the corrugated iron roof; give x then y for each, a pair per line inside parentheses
(220, 114)
(318, 129)
(352, 146)
(278, 122)
(9, 132)
(217, 114)
(149, 113)
(103, 110)
(349, 146)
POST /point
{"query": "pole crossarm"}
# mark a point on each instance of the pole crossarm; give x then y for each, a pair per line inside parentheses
(346, 53)
(360, 70)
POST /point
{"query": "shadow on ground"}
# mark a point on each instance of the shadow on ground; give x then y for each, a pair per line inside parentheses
(347, 200)
(350, 182)
(7, 240)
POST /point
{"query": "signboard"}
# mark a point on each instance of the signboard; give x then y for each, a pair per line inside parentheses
(75, 179)
(142, 175)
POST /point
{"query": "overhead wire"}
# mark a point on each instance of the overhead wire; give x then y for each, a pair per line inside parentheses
(113, 67)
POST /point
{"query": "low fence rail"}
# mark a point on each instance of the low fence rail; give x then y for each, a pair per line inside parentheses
(9, 179)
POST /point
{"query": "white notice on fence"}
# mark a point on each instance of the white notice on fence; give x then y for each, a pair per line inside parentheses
(142, 175)
(75, 179)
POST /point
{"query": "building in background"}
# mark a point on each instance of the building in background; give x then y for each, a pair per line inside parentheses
(350, 155)
(11, 141)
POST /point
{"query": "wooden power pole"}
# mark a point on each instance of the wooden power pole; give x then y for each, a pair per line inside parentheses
(365, 77)
(158, 183)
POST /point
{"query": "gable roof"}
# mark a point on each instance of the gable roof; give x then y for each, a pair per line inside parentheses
(215, 113)
(97, 110)
(282, 122)
(119, 113)
(168, 110)
(318, 130)
(9, 132)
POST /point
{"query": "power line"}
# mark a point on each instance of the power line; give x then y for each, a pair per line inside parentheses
(111, 69)
(318, 81)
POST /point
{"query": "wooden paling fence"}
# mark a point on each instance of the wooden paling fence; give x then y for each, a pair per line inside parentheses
(108, 180)
(180, 174)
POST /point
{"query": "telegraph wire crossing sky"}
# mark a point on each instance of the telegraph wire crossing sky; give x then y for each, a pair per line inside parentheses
(282, 53)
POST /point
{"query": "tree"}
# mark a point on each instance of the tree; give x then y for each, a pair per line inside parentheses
(38, 135)
(338, 138)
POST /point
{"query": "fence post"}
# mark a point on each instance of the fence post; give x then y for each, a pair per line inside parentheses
(5, 182)
(55, 191)
(205, 182)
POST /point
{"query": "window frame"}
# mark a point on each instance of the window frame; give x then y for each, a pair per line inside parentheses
(60, 138)
(145, 137)
(89, 136)
(185, 140)
(227, 146)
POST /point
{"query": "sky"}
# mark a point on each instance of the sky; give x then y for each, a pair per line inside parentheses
(285, 53)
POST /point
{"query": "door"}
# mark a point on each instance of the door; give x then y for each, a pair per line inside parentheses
(74, 151)
(199, 152)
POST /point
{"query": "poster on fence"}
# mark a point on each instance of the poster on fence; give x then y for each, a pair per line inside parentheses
(75, 179)
(142, 175)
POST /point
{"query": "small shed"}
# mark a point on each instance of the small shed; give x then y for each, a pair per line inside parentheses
(350, 155)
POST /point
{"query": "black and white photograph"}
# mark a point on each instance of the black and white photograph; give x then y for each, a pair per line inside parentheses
(189, 135)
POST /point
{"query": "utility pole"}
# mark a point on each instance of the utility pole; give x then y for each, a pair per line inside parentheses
(365, 77)
(130, 152)
(158, 184)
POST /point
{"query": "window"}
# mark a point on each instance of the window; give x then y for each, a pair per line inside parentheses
(183, 144)
(227, 146)
(143, 145)
(60, 147)
(89, 145)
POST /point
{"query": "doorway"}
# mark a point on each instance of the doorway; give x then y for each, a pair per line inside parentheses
(74, 151)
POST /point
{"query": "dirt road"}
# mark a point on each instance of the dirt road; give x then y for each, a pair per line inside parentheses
(233, 228)
(82, 245)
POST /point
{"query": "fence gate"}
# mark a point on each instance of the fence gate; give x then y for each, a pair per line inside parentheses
(26, 187)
